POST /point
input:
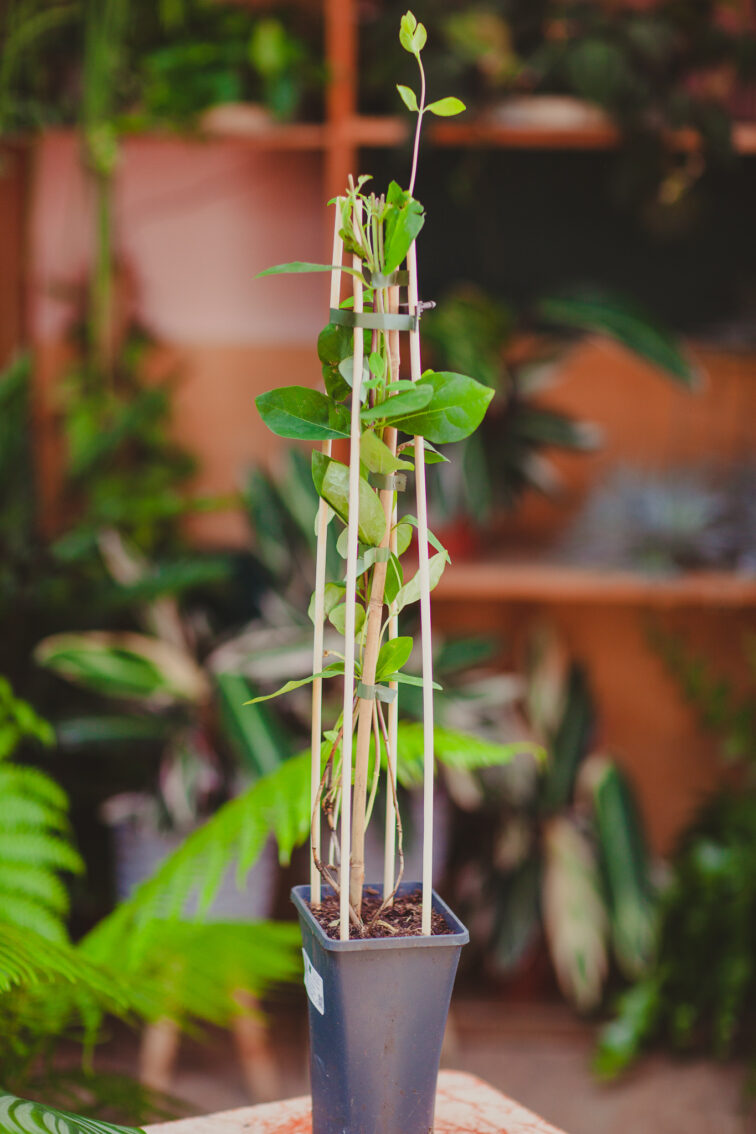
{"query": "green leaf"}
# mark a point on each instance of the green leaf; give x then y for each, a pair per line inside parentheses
(432, 456)
(346, 370)
(407, 96)
(446, 107)
(298, 267)
(628, 325)
(302, 414)
(124, 665)
(377, 364)
(457, 407)
(407, 26)
(330, 671)
(333, 594)
(20, 1116)
(394, 579)
(402, 405)
(331, 480)
(378, 457)
(433, 540)
(404, 219)
(337, 618)
(403, 537)
(393, 655)
(410, 592)
(335, 343)
(411, 679)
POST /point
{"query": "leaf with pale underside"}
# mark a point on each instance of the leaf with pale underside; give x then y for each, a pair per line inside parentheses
(331, 479)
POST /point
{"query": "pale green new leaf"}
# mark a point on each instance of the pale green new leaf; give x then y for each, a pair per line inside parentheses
(446, 107)
(331, 479)
(410, 592)
(408, 97)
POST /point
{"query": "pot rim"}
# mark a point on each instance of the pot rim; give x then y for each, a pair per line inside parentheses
(300, 896)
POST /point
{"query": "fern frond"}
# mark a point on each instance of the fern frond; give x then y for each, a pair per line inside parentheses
(39, 849)
(186, 970)
(40, 885)
(18, 910)
(277, 803)
(25, 813)
(26, 959)
(30, 781)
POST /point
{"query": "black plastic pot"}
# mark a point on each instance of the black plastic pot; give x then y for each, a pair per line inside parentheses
(377, 1012)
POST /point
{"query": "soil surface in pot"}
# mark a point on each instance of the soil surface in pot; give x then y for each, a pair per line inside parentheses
(402, 919)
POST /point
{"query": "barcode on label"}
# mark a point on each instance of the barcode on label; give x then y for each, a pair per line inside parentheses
(313, 982)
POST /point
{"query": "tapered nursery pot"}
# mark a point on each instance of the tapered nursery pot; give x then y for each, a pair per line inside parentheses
(377, 1012)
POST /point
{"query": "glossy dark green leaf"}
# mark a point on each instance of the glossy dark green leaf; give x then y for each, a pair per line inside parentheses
(394, 579)
(331, 479)
(302, 414)
(457, 407)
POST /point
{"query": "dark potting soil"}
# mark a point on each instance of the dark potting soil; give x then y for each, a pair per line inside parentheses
(404, 917)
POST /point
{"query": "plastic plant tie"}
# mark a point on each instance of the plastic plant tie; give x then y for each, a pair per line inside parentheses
(373, 320)
(375, 692)
(396, 482)
(393, 279)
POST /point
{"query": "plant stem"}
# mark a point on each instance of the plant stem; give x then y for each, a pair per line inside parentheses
(365, 705)
(418, 127)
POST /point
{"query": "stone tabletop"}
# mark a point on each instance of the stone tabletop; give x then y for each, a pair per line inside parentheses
(464, 1105)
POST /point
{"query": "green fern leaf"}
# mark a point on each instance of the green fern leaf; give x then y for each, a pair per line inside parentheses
(35, 849)
(41, 885)
(30, 781)
(24, 812)
(28, 914)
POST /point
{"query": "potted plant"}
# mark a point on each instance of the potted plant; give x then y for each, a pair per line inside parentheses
(380, 959)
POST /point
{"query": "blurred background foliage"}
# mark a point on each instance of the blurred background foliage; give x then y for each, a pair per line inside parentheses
(139, 649)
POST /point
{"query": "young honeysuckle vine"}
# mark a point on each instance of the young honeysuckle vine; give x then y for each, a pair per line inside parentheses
(413, 36)
(393, 426)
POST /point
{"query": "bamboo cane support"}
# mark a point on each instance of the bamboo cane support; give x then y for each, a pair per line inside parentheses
(349, 614)
(389, 851)
(365, 705)
(317, 646)
(425, 613)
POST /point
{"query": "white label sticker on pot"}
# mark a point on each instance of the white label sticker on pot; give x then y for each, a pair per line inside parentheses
(313, 982)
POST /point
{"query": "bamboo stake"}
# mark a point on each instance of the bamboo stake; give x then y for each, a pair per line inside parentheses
(365, 705)
(349, 614)
(389, 851)
(317, 645)
(425, 614)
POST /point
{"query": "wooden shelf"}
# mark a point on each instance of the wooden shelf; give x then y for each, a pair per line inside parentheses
(508, 581)
(368, 131)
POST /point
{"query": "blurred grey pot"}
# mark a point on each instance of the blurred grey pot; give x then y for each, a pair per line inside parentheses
(377, 1013)
(139, 847)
